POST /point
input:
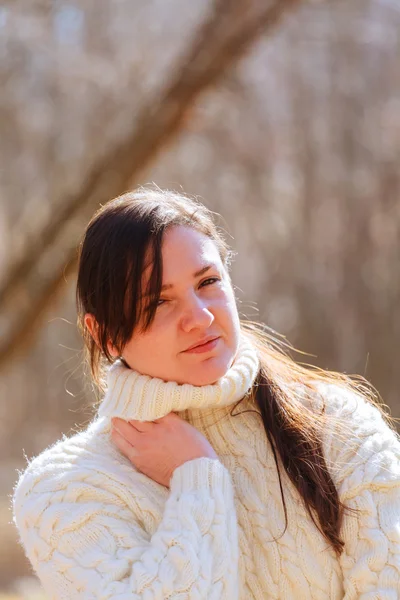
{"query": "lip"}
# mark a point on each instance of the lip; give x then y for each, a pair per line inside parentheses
(204, 345)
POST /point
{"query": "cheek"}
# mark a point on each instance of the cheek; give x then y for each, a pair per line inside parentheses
(150, 342)
(146, 351)
(226, 308)
(229, 295)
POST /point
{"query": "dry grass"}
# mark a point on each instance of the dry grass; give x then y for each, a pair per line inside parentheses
(18, 597)
(24, 588)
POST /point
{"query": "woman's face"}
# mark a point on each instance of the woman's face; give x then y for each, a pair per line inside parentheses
(197, 303)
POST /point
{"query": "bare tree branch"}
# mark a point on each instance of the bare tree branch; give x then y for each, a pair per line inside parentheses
(32, 284)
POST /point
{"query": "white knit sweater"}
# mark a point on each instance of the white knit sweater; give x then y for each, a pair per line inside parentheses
(94, 527)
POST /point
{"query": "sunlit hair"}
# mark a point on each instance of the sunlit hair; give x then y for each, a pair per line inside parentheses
(122, 239)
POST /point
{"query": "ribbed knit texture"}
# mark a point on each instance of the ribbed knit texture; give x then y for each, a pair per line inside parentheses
(94, 527)
(131, 395)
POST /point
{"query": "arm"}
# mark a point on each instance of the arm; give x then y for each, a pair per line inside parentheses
(364, 456)
(84, 543)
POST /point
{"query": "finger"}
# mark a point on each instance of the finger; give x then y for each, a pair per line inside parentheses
(171, 415)
(126, 429)
(142, 426)
(124, 445)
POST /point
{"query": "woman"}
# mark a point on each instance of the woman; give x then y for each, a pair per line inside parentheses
(216, 467)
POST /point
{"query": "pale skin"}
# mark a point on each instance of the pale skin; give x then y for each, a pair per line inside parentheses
(198, 301)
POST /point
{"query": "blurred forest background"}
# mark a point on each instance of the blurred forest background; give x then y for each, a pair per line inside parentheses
(283, 116)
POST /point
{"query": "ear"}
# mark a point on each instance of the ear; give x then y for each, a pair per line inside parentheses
(92, 326)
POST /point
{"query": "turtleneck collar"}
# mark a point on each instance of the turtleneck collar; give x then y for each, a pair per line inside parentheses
(132, 395)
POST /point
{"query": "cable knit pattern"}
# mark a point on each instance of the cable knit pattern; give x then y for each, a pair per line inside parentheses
(364, 460)
(94, 527)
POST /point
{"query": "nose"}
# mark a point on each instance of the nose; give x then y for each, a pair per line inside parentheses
(196, 315)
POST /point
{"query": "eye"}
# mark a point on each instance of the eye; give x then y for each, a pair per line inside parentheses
(209, 281)
(206, 282)
(154, 305)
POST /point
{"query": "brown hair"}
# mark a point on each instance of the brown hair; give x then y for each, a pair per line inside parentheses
(112, 256)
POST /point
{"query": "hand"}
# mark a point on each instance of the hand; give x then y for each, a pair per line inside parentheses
(157, 448)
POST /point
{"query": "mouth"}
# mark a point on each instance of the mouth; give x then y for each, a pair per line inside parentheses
(204, 345)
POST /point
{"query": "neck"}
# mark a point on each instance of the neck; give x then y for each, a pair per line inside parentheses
(132, 395)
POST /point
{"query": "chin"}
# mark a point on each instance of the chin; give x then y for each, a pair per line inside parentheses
(210, 370)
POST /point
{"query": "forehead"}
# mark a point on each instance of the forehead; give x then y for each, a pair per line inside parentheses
(186, 246)
(184, 250)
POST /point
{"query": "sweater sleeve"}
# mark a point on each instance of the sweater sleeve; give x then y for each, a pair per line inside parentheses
(363, 454)
(84, 543)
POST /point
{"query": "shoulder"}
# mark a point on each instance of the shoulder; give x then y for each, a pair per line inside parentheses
(88, 456)
(50, 470)
(340, 404)
(75, 474)
(351, 410)
(359, 445)
(333, 398)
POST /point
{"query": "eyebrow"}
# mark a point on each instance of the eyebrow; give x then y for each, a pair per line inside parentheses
(168, 286)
